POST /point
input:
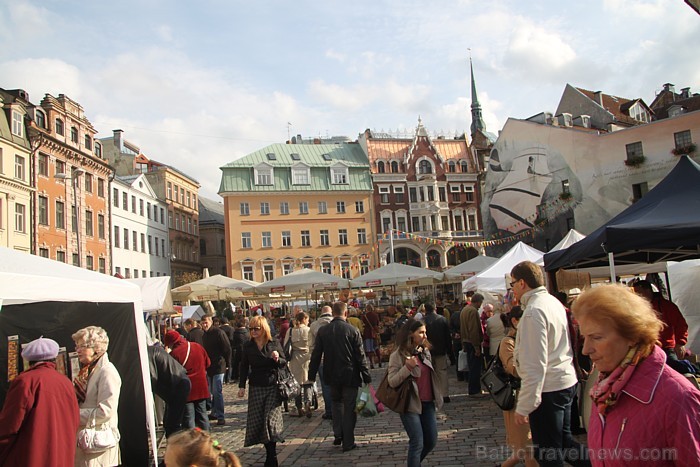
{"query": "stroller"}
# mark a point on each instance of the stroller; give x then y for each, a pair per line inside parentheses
(309, 399)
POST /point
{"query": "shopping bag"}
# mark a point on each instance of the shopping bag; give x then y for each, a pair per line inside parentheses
(462, 361)
(364, 404)
(377, 402)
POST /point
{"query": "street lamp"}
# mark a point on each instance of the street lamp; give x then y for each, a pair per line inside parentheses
(73, 177)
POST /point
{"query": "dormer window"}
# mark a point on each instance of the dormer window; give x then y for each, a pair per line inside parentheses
(380, 167)
(263, 175)
(394, 167)
(639, 113)
(326, 157)
(464, 166)
(295, 156)
(339, 175)
(425, 167)
(17, 124)
(40, 119)
(300, 175)
(271, 156)
(452, 167)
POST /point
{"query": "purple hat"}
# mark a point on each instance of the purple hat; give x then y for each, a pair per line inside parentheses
(40, 349)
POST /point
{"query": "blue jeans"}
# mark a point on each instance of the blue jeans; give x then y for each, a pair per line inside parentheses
(196, 415)
(422, 433)
(326, 390)
(216, 383)
(550, 424)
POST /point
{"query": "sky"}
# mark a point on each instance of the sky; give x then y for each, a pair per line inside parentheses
(197, 84)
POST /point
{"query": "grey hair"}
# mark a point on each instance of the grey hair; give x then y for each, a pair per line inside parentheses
(94, 337)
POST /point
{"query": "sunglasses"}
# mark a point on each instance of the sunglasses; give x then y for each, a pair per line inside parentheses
(255, 329)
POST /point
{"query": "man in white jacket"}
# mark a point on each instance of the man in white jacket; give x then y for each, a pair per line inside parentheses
(544, 360)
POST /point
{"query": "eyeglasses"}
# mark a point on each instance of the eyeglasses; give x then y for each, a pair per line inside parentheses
(513, 283)
(255, 329)
(82, 346)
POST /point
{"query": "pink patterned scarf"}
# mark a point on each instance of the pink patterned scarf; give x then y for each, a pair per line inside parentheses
(605, 392)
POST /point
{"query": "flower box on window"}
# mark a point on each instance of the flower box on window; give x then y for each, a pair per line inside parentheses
(635, 161)
(687, 149)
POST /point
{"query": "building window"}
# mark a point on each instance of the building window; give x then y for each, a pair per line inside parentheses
(398, 194)
(682, 139)
(155, 246)
(339, 175)
(135, 238)
(115, 197)
(100, 187)
(425, 167)
(20, 218)
(340, 207)
(384, 194)
(141, 208)
(464, 166)
(162, 216)
(264, 209)
(245, 240)
(639, 190)
(452, 167)
(44, 252)
(59, 129)
(17, 124)
(401, 223)
(413, 195)
(287, 268)
(60, 167)
(101, 226)
(40, 120)
(284, 207)
(170, 219)
(148, 209)
(127, 273)
(469, 193)
(187, 199)
(248, 272)
(345, 269)
(177, 222)
(125, 201)
(415, 224)
(74, 134)
(88, 183)
(143, 243)
(359, 206)
(327, 267)
(43, 210)
(343, 236)
(263, 176)
(126, 239)
(394, 167)
(565, 187)
(268, 272)
(170, 190)
(88, 145)
(20, 170)
(267, 239)
(61, 256)
(456, 197)
(325, 238)
(133, 204)
(88, 224)
(102, 265)
(44, 165)
(431, 193)
(162, 248)
(89, 263)
(300, 175)
(245, 209)
(286, 238)
(73, 218)
(322, 207)
(361, 236)
(305, 238)
(634, 150)
(380, 167)
(303, 207)
(98, 153)
(364, 266)
(60, 215)
(471, 218)
(386, 224)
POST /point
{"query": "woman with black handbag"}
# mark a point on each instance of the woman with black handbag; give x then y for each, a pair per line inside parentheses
(517, 436)
(412, 359)
(262, 356)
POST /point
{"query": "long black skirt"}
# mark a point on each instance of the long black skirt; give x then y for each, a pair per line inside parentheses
(264, 416)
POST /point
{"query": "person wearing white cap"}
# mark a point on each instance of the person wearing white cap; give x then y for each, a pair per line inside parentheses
(40, 417)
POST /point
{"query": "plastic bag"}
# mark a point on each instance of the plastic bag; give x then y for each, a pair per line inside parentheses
(364, 404)
(463, 361)
(377, 402)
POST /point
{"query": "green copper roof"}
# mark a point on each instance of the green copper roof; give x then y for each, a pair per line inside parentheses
(239, 175)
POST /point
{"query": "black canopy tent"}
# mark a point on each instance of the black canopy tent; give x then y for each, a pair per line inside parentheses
(662, 226)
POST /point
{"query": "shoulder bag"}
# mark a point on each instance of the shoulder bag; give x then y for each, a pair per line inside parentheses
(398, 398)
(95, 439)
(287, 386)
(501, 385)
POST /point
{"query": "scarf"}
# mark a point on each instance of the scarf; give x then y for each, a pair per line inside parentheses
(605, 392)
(80, 382)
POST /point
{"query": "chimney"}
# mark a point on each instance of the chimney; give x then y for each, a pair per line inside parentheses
(118, 142)
(685, 93)
(598, 98)
(669, 87)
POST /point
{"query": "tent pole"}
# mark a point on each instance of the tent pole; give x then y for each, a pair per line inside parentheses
(668, 284)
(611, 260)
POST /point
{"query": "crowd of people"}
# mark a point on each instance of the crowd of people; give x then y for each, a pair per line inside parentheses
(630, 341)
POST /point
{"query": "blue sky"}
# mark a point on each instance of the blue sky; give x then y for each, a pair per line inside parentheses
(198, 84)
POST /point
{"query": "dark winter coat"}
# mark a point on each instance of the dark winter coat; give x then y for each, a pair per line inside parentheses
(344, 362)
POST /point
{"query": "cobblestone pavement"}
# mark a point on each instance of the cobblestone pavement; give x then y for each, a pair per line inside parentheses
(470, 432)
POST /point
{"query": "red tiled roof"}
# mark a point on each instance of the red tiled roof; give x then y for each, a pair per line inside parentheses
(618, 106)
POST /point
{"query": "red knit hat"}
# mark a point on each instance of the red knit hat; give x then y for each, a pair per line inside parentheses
(171, 337)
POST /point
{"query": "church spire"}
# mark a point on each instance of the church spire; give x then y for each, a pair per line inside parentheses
(477, 122)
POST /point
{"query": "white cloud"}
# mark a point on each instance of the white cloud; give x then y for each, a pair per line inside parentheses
(334, 55)
(628, 9)
(41, 76)
(536, 53)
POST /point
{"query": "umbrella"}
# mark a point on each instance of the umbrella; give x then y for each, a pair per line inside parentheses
(302, 280)
(397, 274)
(469, 268)
(213, 288)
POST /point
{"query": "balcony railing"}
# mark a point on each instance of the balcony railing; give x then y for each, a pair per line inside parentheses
(444, 234)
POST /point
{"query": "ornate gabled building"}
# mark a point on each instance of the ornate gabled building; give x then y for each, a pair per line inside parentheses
(669, 103)
(292, 206)
(426, 192)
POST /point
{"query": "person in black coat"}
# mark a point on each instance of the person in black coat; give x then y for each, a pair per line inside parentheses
(216, 343)
(345, 369)
(228, 330)
(170, 382)
(438, 332)
(240, 337)
(456, 342)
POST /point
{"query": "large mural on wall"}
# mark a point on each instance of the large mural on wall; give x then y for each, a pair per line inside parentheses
(543, 180)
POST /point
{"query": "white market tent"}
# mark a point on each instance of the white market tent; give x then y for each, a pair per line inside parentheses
(469, 268)
(302, 280)
(569, 239)
(195, 312)
(493, 278)
(397, 274)
(39, 297)
(155, 294)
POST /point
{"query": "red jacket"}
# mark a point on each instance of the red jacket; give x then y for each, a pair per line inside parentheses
(656, 420)
(196, 365)
(675, 331)
(40, 419)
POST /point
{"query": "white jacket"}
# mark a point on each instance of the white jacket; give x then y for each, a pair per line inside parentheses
(543, 354)
(102, 397)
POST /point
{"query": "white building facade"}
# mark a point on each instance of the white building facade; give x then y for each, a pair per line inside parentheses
(140, 245)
